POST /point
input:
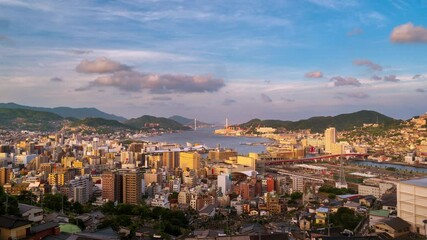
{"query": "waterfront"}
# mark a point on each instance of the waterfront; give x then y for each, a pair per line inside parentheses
(386, 165)
(243, 145)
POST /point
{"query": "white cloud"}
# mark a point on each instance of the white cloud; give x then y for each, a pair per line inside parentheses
(100, 65)
(408, 33)
(314, 74)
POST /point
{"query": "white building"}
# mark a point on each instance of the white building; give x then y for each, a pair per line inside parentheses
(81, 188)
(412, 203)
(224, 183)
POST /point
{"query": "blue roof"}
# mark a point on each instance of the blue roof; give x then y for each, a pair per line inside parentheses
(322, 209)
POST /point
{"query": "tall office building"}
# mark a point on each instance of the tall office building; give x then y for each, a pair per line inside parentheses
(330, 139)
(132, 187)
(190, 160)
(112, 186)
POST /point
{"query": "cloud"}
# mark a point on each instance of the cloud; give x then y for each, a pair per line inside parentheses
(100, 65)
(420, 90)
(228, 102)
(376, 78)
(56, 79)
(391, 78)
(161, 98)
(5, 39)
(265, 98)
(372, 66)
(287, 99)
(81, 52)
(349, 81)
(408, 33)
(355, 32)
(416, 76)
(358, 95)
(132, 81)
(81, 89)
(314, 74)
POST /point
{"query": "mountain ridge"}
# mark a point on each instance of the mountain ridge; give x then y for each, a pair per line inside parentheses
(65, 112)
(346, 121)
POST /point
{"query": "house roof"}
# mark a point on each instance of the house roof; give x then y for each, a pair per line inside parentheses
(25, 208)
(11, 222)
(396, 223)
(379, 213)
(44, 226)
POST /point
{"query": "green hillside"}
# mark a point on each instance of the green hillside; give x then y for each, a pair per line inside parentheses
(23, 119)
(319, 124)
(79, 113)
(146, 120)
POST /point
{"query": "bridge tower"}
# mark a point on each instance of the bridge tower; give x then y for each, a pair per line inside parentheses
(341, 183)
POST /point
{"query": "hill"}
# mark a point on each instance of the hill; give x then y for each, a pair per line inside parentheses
(98, 125)
(147, 121)
(319, 124)
(24, 119)
(66, 112)
(187, 121)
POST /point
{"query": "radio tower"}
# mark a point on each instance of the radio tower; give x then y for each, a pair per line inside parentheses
(341, 183)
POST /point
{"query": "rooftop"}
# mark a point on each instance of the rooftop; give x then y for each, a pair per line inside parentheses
(11, 222)
(422, 182)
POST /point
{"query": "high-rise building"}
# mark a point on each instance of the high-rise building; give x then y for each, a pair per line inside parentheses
(83, 185)
(412, 203)
(5, 175)
(132, 187)
(112, 186)
(190, 160)
(330, 139)
(224, 183)
(170, 160)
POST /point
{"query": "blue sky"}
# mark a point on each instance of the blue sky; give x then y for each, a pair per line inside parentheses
(210, 60)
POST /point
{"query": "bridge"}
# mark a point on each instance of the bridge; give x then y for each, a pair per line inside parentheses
(275, 161)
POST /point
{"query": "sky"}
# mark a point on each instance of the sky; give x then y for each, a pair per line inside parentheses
(213, 60)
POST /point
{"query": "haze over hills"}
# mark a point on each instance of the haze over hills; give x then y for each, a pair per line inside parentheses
(79, 113)
(25, 119)
(319, 124)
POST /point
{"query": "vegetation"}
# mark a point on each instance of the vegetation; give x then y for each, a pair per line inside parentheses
(336, 191)
(12, 203)
(319, 124)
(23, 119)
(346, 218)
(167, 221)
(66, 112)
(142, 122)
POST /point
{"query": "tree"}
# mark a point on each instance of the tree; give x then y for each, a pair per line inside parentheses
(11, 206)
(27, 197)
(346, 218)
(56, 202)
(296, 195)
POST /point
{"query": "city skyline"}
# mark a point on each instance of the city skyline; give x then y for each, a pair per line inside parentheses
(208, 60)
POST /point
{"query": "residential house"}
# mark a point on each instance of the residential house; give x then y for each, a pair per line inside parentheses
(395, 227)
(14, 227)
